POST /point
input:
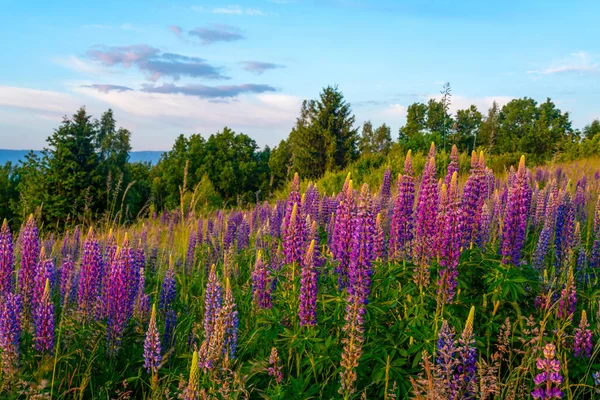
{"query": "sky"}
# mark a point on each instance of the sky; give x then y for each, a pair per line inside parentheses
(173, 67)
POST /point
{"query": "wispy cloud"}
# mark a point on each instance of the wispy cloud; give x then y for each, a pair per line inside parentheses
(395, 110)
(105, 88)
(37, 100)
(231, 10)
(258, 67)
(218, 33)
(176, 30)
(154, 63)
(580, 63)
(209, 92)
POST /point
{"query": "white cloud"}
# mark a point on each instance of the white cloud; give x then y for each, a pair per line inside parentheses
(45, 101)
(231, 10)
(580, 63)
(395, 110)
(76, 64)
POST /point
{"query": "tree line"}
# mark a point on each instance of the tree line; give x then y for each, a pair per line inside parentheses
(84, 173)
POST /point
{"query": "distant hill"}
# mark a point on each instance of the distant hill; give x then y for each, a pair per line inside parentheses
(15, 156)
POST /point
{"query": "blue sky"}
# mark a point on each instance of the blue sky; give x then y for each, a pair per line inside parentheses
(167, 68)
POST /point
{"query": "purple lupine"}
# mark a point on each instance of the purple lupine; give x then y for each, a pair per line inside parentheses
(379, 242)
(294, 229)
(170, 324)
(595, 251)
(229, 317)
(341, 238)
(191, 250)
(90, 276)
(548, 381)
(308, 289)
(152, 353)
(583, 345)
(579, 202)
(363, 238)
(30, 252)
(76, 242)
(261, 285)
(212, 303)
(401, 229)
(568, 299)
(141, 305)
(168, 291)
(515, 219)
(466, 369)
(10, 332)
(116, 301)
(43, 319)
(6, 259)
(66, 286)
(446, 361)
(385, 192)
(483, 232)
(450, 244)
(541, 200)
(65, 249)
(275, 366)
(426, 228)
(565, 225)
(546, 234)
(243, 235)
(474, 195)
(45, 270)
(453, 165)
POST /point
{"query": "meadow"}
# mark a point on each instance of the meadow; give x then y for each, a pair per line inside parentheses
(425, 285)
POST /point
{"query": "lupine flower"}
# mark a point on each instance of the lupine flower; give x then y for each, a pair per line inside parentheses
(485, 222)
(568, 298)
(401, 232)
(425, 222)
(379, 242)
(474, 195)
(595, 252)
(583, 338)
(10, 332)
(565, 219)
(212, 305)
(275, 366)
(45, 270)
(76, 242)
(466, 378)
(117, 302)
(191, 250)
(294, 234)
(67, 287)
(191, 390)
(141, 305)
(168, 291)
(6, 259)
(596, 375)
(342, 233)
(152, 354)
(90, 275)
(356, 299)
(228, 313)
(385, 193)
(170, 324)
(308, 289)
(43, 318)
(453, 165)
(261, 292)
(362, 255)
(30, 252)
(450, 244)
(446, 361)
(515, 220)
(545, 235)
(549, 379)
(243, 235)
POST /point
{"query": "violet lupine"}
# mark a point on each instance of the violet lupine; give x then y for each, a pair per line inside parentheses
(358, 292)
(6, 259)
(549, 379)
(275, 366)
(152, 352)
(229, 315)
(583, 345)
(426, 228)
(546, 234)
(446, 360)
(379, 242)
(450, 244)
(116, 302)
(191, 250)
(212, 303)
(568, 299)
(515, 219)
(341, 239)
(453, 165)
(66, 285)
(401, 229)
(76, 242)
(90, 276)
(307, 310)
(10, 333)
(474, 195)
(485, 222)
(65, 249)
(565, 225)
(466, 369)
(170, 324)
(385, 192)
(45, 270)
(294, 229)
(141, 305)
(43, 319)
(168, 291)
(243, 235)
(595, 251)
(30, 252)
(541, 200)
(261, 286)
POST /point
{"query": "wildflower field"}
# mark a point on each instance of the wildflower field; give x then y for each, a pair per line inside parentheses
(431, 286)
